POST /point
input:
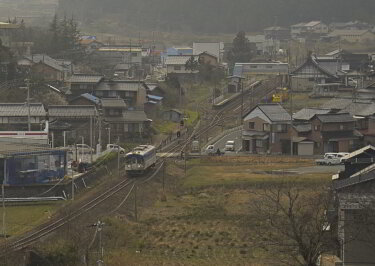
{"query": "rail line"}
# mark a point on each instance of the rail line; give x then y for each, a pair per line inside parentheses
(46, 229)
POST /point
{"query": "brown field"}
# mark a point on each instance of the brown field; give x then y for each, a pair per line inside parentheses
(206, 216)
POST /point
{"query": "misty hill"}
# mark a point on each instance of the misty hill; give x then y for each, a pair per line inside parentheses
(216, 16)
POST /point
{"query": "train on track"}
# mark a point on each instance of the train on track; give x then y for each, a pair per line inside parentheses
(140, 159)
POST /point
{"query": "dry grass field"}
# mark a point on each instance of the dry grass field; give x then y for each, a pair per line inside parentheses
(206, 217)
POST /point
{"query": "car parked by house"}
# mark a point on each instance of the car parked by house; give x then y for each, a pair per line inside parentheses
(115, 148)
(230, 146)
(330, 159)
(84, 148)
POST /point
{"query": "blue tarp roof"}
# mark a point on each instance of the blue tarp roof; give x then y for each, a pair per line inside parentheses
(91, 97)
(154, 97)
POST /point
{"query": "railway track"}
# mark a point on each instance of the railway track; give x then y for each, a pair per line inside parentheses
(46, 229)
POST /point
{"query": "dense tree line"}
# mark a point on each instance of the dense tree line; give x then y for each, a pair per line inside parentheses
(217, 15)
(61, 40)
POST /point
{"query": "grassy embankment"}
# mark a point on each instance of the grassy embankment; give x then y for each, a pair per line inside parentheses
(20, 219)
(206, 218)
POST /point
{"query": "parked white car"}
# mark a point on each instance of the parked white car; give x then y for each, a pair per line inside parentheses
(80, 148)
(329, 159)
(115, 148)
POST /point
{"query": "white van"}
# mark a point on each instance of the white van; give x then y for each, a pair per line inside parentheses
(210, 150)
(230, 146)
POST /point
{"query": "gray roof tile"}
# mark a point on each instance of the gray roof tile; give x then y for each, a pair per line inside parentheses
(120, 85)
(129, 116)
(275, 112)
(80, 78)
(308, 113)
(21, 109)
(113, 103)
(335, 118)
(71, 111)
(59, 65)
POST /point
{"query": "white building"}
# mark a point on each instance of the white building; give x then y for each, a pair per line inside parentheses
(264, 45)
(176, 64)
(214, 48)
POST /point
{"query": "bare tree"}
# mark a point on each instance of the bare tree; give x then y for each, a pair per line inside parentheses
(293, 222)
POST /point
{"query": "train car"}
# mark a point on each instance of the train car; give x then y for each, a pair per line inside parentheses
(140, 159)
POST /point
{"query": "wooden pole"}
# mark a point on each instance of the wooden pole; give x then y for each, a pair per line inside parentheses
(135, 203)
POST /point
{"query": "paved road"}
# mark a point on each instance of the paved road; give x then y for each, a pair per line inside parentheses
(319, 169)
(236, 136)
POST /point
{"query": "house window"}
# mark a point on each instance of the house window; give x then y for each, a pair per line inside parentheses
(251, 125)
(112, 94)
(177, 67)
(280, 128)
(134, 54)
(253, 66)
(268, 66)
(266, 127)
(259, 143)
(317, 128)
(99, 93)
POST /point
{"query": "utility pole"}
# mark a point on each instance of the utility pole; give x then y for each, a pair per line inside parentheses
(64, 136)
(109, 134)
(100, 134)
(73, 180)
(28, 105)
(91, 139)
(165, 162)
(291, 112)
(53, 140)
(82, 149)
(118, 160)
(4, 229)
(242, 96)
(135, 203)
(100, 225)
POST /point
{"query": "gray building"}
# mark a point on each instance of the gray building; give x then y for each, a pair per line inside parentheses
(173, 115)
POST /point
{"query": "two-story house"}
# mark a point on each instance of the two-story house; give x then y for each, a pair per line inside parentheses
(15, 116)
(82, 83)
(334, 133)
(123, 123)
(176, 64)
(265, 130)
(47, 68)
(132, 92)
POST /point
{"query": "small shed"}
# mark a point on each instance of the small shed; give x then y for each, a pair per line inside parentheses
(173, 115)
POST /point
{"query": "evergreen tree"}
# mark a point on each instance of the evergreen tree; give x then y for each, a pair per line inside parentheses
(242, 50)
(192, 64)
(55, 35)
